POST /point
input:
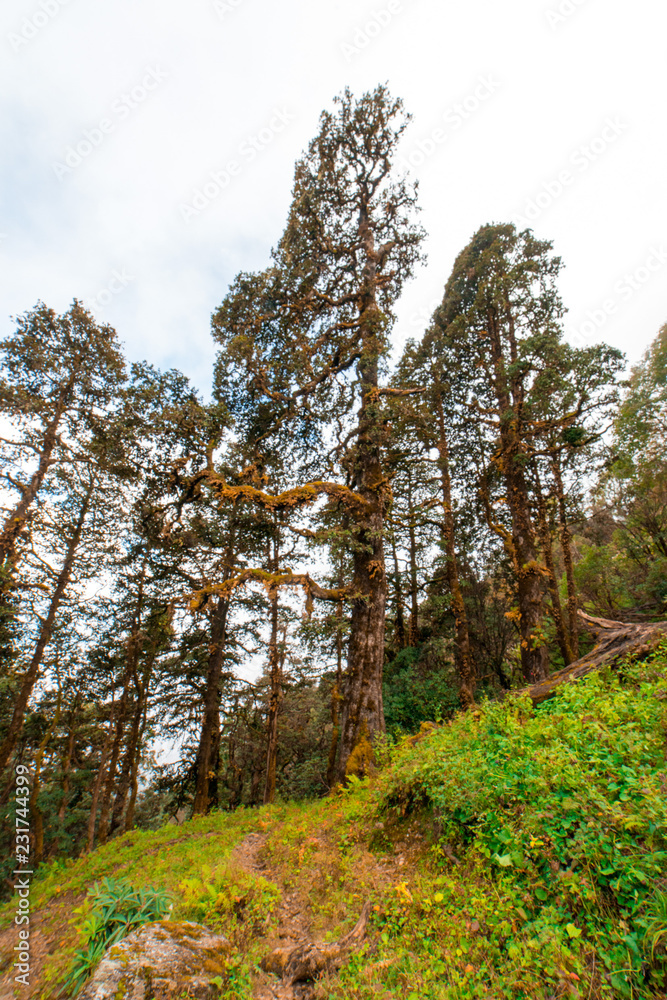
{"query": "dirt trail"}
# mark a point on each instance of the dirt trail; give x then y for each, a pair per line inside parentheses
(295, 923)
(292, 913)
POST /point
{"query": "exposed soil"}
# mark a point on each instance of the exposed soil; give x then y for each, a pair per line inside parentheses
(292, 914)
(47, 930)
(300, 921)
(294, 918)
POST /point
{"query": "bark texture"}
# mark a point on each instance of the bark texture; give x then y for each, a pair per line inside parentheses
(566, 549)
(562, 633)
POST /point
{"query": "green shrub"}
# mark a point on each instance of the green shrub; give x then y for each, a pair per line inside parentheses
(414, 692)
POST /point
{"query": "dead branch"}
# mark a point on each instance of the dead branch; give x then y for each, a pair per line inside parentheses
(616, 641)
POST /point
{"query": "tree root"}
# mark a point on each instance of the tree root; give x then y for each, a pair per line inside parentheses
(307, 960)
(616, 640)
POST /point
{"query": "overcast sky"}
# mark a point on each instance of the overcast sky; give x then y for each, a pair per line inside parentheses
(147, 149)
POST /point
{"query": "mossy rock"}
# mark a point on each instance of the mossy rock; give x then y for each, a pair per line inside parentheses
(161, 960)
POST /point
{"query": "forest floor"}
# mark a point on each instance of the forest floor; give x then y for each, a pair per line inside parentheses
(516, 852)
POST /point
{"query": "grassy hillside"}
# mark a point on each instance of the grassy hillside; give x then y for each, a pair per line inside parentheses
(516, 852)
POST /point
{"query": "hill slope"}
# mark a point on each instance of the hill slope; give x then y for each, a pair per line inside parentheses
(515, 852)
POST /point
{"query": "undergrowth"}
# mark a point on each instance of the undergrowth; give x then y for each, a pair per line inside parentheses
(556, 817)
(112, 910)
(515, 852)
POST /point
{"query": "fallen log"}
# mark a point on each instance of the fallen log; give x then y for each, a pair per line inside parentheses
(616, 641)
(307, 960)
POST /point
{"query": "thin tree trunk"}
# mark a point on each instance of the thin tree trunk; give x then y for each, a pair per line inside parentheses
(255, 785)
(413, 624)
(134, 777)
(126, 768)
(465, 667)
(547, 550)
(336, 694)
(46, 631)
(400, 632)
(35, 812)
(133, 745)
(121, 719)
(209, 743)
(130, 673)
(566, 549)
(275, 691)
(17, 518)
(67, 762)
(97, 786)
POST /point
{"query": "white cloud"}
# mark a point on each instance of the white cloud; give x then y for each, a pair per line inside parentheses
(225, 73)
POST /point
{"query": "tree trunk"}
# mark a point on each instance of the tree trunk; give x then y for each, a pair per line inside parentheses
(46, 631)
(235, 779)
(399, 631)
(132, 750)
(134, 777)
(97, 786)
(534, 653)
(121, 719)
(562, 634)
(566, 548)
(275, 691)
(209, 743)
(336, 695)
(413, 624)
(509, 459)
(67, 760)
(134, 741)
(616, 641)
(17, 518)
(465, 668)
(363, 712)
(35, 811)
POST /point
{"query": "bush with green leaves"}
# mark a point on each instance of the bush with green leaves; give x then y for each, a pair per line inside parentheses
(417, 688)
(113, 909)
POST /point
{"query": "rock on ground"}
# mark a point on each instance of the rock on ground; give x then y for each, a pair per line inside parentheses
(160, 960)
